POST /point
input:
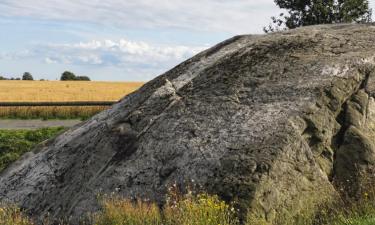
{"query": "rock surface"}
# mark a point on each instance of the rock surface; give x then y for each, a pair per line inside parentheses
(278, 122)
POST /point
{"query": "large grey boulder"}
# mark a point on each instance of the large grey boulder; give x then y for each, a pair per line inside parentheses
(280, 123)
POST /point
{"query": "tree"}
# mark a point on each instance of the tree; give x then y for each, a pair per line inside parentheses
(67, 75)
(82, 78)
(27, 76)
(312, 12)
(71, 76)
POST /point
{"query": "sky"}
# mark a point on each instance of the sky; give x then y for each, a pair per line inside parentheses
(118, 40)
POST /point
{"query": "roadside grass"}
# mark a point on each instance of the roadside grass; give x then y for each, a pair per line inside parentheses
(202, 209)
(50, 112)
(14, 143)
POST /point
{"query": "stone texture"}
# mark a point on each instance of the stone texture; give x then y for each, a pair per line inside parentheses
(277, 122)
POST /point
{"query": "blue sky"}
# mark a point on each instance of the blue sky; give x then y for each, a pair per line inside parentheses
(123, 40)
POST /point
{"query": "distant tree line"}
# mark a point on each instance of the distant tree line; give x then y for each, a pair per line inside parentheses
(69, 76)
(66, 76)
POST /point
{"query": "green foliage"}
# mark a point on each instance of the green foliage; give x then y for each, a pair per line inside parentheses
(312, 12)
(14, 143)
(83, 78)
(69, 76)
(27, 76)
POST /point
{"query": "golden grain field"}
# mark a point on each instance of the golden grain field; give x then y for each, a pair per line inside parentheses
(64, 91)
(60, 91)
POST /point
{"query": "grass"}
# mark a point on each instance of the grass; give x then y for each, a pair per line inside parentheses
(13, 216)
(58, 91)
(117, 211)
(360, 212)
(14, 143)
(50, 112)
(202, 209)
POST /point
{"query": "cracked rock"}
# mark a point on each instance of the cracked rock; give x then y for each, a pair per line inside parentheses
(276, 122)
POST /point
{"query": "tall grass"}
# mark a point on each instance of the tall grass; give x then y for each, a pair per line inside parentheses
(353, 212)
(13, 216)
(202, 209)
(50, 112)
(117, 211)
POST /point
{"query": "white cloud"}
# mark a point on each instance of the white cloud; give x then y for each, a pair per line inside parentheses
(234, 16)
(15, 55)
(117, 53)
(137, 59)
(48, 60)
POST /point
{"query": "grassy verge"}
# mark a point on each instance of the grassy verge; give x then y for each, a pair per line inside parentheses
(50, 112)
(361, 212)
(202, 209)
(205, 209)
(14, 143)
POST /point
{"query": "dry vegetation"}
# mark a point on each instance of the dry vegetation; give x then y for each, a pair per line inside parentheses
(13, 216)
(57, 91)
(50, 112)
(202, 209)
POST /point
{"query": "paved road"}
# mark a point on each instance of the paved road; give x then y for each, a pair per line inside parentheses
(35, 124)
